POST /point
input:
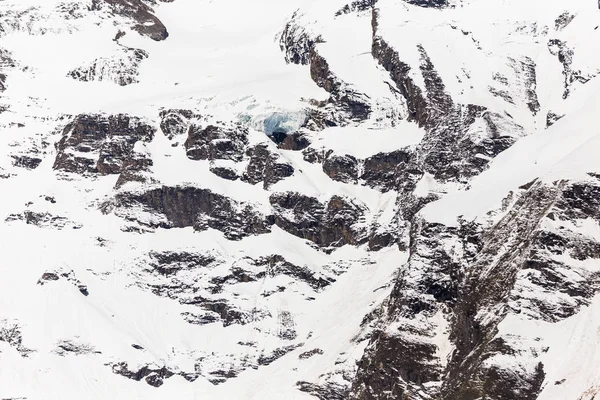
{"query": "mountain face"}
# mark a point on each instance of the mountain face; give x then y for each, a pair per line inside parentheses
(371, 199)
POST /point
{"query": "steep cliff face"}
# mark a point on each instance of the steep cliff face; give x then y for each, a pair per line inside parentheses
(388, 199)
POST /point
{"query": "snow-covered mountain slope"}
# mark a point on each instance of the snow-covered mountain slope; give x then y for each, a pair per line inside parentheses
(392, 199)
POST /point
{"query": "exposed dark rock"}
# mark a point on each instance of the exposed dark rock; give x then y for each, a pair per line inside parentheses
(6, 62)
(48, 276)
(296, 43)
(264, 168)
(356, 6)
(309, 354)
(344, 104)
(224, 172)
(327, 225)
(177, 122)
(222, 375)
(66, 347)
(328, 391)
(399, 72)
(198, 208)
(428, 3)
(341, 168)
(383, 169)
(266, 359)
(446, 151)
(381, 240)
(10, 332)
(237, 275)
(295, 141)
(564, 53)
(277, 265)
(27, 162)
(153, 375)
(344, 99)
(526, 71)
(43, 220)
(217, 311)
(102, 144)
(169, 263)
(563, 20)
(121, 69)
(68, 275)
(313, 156)
(551, 118)
(145, 23)
(286, 326)
(216, 142)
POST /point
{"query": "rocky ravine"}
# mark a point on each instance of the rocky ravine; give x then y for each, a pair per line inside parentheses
(384, 200)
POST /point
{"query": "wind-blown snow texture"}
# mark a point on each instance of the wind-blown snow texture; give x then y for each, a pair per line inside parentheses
(393, 199)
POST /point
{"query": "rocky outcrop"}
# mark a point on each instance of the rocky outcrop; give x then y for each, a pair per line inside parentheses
(341, 168)
(198, 208)
(330, 224)
(69, 276)
(324, 392)
(229, 142)
(138, 12)
(43, 220)
(121, 69)
(266, 359)
(564, 53)
(296, 42)
(6, 63)
(399, 72)
(295, 141)
(263, 167)
(102, 144)
(26, 161)
(10, 332)
(428, 3)
(356, 6)
(214, 142)
(153, 375)
(345, 104)
(218, 310)
(277, 265)
(175, 123)
(169, 263)
(66, 347)
(382, 170)
(454, 148)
